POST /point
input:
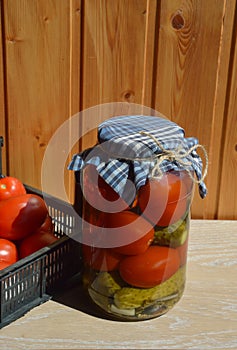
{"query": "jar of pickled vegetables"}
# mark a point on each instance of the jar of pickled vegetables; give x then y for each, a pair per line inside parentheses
(137, 186)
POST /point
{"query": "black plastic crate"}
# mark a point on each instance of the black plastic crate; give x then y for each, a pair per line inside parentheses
(33, 280)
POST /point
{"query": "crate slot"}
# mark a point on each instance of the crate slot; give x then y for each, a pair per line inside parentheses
(21, 287)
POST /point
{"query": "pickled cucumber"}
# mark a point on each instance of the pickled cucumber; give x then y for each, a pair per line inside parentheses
(134, 297)
(105, 283)
(173, 235)
(99, 299)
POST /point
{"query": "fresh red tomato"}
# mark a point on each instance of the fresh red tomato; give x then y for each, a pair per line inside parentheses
(11, 187)
(163, 201)
(101, 259)
(47, 225)
(151, 268)
(35, 241)
(99, 194)
(130, 228)
(8, 252)
(22, 215)
(4, 264)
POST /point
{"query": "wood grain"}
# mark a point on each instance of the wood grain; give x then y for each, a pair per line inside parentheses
(205, 317)
(39, 76)
(228, 189)
(191, 85)
(178, 57)
(218, 131)
(74, 94)
(2, 100)
(114, 53)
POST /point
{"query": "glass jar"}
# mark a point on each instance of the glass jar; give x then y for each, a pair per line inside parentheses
(144, 277)
(136, 200)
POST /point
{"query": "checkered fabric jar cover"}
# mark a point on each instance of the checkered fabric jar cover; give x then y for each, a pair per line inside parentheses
(139, 147)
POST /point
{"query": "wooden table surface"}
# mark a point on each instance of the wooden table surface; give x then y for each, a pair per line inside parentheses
(205, 317)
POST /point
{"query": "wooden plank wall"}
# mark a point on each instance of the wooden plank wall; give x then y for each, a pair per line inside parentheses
(178, 57)
(191, 87)
(2, 101)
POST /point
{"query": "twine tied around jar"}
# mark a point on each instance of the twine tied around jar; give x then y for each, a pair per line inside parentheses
(178, 155)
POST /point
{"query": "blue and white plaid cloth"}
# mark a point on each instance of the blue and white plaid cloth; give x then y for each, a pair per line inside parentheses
(128, 147)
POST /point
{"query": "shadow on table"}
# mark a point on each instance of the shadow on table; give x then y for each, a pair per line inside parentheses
(73, 295)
